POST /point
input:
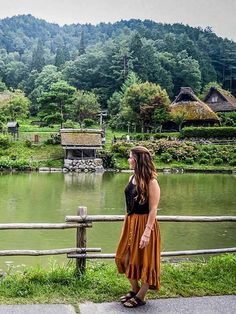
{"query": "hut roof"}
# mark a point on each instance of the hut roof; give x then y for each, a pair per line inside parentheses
(12, 124)
(192, 107)
(81, 137)
(228, 103)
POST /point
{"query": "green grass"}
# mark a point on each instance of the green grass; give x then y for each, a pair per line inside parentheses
(41, 155)
(43, 136)
(101, 282)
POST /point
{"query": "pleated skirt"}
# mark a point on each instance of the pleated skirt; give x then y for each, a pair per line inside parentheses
(136, 263)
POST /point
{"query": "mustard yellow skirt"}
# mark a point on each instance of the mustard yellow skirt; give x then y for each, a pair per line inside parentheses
(136, 263)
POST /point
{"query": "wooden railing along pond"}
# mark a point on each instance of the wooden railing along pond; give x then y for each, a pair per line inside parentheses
(83, 221)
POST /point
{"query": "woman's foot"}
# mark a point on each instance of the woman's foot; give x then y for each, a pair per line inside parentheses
(127, 297)
(134, 302)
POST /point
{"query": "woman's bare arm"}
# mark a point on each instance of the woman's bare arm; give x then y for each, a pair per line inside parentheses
(154, 197)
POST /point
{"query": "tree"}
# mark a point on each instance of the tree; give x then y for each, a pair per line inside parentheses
(62, 55)
(82, 44)
(143, 99)
(179, 117)
(2, 86)
(59, 99)
(117, 119)
(15, 72)
(41, 82)
(161, 115)
(15, 107)
(86, 106)
(187, 73)
(38, 60)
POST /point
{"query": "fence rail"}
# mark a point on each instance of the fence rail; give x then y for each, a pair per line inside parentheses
(83, 221)
(35, 226)
(163, 254)
(104, 218)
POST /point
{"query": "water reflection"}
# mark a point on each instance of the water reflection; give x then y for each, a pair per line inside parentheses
(40, 197)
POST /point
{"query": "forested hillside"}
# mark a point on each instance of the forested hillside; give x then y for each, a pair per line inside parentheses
(34, 54)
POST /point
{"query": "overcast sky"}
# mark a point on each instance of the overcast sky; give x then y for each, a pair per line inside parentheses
(219, 14)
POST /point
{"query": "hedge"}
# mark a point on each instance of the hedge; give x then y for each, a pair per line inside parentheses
(210, 132)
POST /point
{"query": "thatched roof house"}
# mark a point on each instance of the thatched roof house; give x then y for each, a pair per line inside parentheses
(192, 109)
(220, 100)
(80, 146)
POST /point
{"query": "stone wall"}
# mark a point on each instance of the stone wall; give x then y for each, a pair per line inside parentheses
(79, 165)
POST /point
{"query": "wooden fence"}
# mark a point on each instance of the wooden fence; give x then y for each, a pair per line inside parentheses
(83, 221)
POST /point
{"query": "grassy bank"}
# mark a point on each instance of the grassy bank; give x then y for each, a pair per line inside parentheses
(100, 283)
(122, 163)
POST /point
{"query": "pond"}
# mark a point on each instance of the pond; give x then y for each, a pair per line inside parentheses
(49, 197)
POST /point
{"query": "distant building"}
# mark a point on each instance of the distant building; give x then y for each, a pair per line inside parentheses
(81, 146)
(12, 128)
(194, 111)
(220, 100)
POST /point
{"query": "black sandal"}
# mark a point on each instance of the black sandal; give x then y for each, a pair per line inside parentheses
(134, 302)
(127, 297)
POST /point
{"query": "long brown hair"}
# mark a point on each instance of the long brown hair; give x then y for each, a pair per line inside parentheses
(144, 171)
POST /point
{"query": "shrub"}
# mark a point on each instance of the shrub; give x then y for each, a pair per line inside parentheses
(108, 159)
(28, 143)
(210, 132)
(54, 140)
(203, 161)
(88, 122)
(232, 162)
(5, 141)
(69, 124)
(49, 163)
(20, 164)
(217, 161)
(228, 118)
(203, 155)
(138, 137)
(166, 157)
(189, 160)
(122, 149)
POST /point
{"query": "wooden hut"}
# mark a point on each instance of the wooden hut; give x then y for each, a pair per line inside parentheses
(220, 100)
(12, 128)
(81, 146)
(192, 109)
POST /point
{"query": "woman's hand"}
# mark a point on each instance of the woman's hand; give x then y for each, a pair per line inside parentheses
(144, 241)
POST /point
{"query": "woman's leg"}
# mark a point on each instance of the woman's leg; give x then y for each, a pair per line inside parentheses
(142, 291)
(134, 285)
(133, 282)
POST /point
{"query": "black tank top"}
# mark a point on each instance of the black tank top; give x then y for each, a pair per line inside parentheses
(132, 203)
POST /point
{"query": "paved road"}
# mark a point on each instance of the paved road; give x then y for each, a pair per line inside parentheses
(37, 309)
(194, 305)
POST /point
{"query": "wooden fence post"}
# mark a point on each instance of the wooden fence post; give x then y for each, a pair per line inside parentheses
(81, 241)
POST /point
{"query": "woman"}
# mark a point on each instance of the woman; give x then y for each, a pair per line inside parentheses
(138, 252)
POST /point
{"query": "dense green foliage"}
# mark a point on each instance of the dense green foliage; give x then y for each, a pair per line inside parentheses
(15, 106)
(99, 58)
(206, 133)
(169, 152)
(37, 285)
(228, 118)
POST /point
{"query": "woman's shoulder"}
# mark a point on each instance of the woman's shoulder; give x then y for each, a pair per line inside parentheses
(153, 183)
(131, 177)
